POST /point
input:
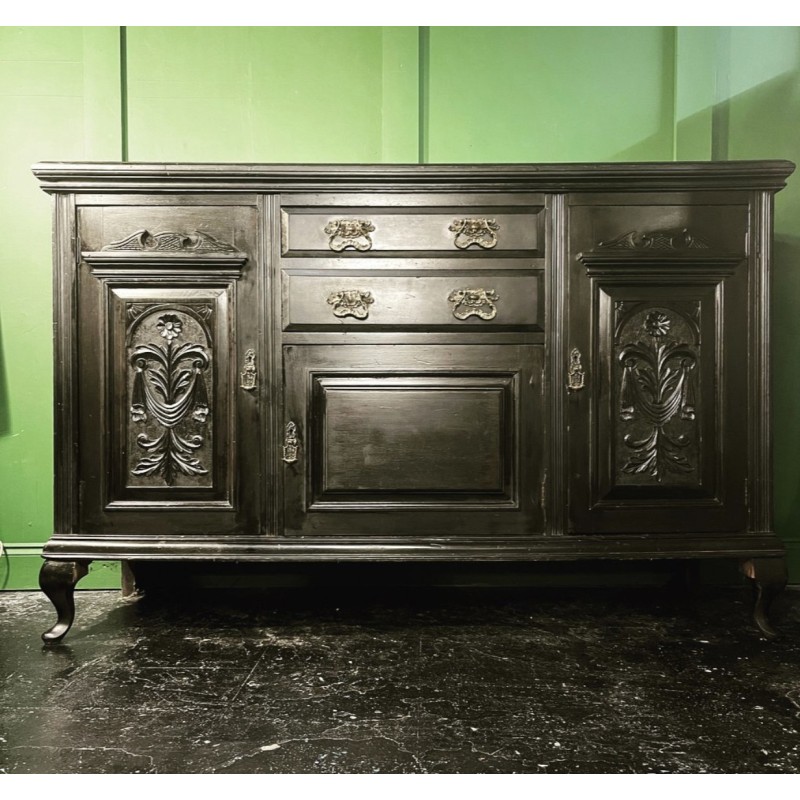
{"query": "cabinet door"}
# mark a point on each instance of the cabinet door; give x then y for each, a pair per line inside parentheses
(416, 441)
(657, 368)
(169, 435)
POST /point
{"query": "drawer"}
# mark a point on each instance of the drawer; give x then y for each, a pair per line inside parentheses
(477, 299)
(180, 229)
(447, 231)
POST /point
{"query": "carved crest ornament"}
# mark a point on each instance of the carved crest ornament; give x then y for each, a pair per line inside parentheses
(169, 241)
(675, 241)
(169, 387)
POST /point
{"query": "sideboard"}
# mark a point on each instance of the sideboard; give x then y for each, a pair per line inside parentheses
(538, 362)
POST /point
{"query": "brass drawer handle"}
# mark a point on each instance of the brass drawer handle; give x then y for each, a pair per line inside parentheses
(248, 374)
(576, 377)
(291, 443)
(474, 230)
(351, 303)
(474, 302)
(353, 233)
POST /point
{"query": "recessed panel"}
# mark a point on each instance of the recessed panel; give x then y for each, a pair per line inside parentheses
(395, 437)
(173, 418)
(661, 366)
(409, 440)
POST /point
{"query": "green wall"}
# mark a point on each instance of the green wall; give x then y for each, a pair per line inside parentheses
(549, 94)
(366, 95)
(59, 91)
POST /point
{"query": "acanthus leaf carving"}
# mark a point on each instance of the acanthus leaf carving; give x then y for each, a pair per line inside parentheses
(656, 387)
(169, 388)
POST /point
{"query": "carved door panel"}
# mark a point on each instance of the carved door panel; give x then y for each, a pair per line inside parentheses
(657, 381)
(414, 441)
(169, 436)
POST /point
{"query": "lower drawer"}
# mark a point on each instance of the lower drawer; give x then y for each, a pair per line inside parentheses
(485, 300)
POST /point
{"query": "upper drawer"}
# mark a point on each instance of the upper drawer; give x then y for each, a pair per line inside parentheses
(177, 231)
(474, 230)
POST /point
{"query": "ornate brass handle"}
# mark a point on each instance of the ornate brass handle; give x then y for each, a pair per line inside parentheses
(291, 443)
(248, 374)
(353, 233)
(351, 303)
(474, 230)
(576, 377)
(474, 302)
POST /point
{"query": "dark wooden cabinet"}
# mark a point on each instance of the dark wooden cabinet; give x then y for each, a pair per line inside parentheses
(509, 362)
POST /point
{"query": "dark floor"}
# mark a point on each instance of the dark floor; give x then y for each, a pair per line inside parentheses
(401, 681)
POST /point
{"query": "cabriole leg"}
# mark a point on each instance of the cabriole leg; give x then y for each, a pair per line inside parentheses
(769, 577)
(57, 580)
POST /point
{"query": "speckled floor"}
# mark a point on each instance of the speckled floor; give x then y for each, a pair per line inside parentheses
(441, 681)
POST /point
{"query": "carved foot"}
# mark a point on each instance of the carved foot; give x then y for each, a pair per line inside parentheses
(57, 580)
(131, 591)
(769, 578)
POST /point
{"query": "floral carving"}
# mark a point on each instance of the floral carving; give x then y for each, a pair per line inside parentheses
(169, 326)
(657, 324)
(169, 387)
(657, 387)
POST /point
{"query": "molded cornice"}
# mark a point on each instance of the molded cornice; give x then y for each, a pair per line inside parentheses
(646, 176)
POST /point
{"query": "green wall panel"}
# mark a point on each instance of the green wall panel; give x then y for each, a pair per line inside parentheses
(59, 90)
(271, 94)
(549, 94)
(695, 90)
(759, 117)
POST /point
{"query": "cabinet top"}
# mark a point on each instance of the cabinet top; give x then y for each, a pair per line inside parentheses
(57, 176)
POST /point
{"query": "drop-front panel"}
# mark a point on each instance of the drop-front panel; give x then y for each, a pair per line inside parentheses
(510, 362)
